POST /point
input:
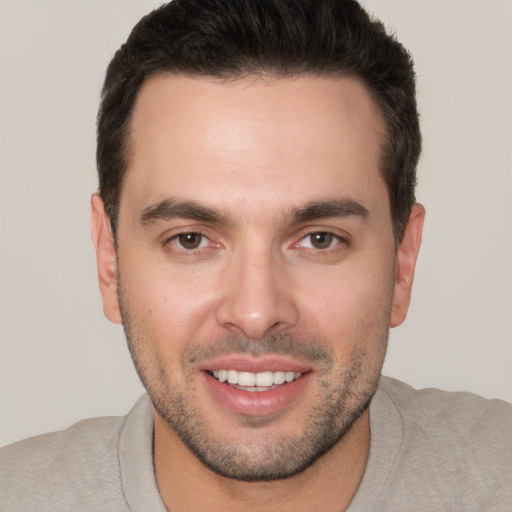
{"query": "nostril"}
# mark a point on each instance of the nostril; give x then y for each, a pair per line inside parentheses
(256, 303)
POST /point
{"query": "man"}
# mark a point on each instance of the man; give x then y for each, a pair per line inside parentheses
(256, 234)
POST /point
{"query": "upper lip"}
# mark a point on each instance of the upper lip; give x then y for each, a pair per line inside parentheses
(245, 363)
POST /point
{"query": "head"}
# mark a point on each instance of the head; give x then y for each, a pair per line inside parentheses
(232, 39)
(257, 166)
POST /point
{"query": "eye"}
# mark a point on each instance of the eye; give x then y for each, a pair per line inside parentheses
(190, 241)
(319, 240)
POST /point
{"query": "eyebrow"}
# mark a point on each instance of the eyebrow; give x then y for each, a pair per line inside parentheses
(168, 209)
(172, 208)
(338, 208)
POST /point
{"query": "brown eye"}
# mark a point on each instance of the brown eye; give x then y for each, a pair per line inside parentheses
(321, 240)
(190, 241)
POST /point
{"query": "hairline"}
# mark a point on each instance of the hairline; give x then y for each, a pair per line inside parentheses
(251, 75)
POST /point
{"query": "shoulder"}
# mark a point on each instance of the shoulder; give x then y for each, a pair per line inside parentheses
(459, 413)
(86, 437)
(455, 447)
(61, 467)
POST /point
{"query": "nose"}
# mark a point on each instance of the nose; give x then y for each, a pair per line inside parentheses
(257, 296)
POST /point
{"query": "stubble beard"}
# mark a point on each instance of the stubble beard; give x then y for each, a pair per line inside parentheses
(345, 394)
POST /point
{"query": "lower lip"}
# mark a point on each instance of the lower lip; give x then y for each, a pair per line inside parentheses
(256, 403)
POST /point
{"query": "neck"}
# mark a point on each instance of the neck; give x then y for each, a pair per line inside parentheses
(327, 485)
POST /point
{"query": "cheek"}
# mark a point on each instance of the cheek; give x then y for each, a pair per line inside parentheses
(348, 304)
(172, 306)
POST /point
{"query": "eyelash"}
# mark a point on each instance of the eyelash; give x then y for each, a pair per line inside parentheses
(175, 239)
(335, 250)
(332, 239)
(336, 242)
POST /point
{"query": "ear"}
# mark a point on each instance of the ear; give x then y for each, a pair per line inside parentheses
(106, 258)
(406, 257)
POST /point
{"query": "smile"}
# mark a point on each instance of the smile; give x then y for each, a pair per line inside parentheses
(261, 381)
(257, 393)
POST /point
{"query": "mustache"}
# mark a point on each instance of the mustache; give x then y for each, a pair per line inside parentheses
(303, 348)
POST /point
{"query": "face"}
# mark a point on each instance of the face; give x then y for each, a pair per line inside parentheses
(257, 273)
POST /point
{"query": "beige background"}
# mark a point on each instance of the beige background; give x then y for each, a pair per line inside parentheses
(60, 360)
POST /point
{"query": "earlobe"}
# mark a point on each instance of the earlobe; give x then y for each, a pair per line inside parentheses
(406, 257)
(105, 258)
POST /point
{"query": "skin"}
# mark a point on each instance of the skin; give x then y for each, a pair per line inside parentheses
(257, 152)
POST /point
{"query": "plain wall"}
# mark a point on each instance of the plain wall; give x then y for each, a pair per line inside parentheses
(60, 359)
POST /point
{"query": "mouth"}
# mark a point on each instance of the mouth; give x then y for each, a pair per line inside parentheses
(266, 391)
(255, 382)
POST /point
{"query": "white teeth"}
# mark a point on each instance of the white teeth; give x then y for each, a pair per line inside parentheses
(264, 379)
(258, 380)
(279, 377)
(246, 379)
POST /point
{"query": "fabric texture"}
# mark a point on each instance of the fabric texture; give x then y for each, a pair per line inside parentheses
(430, 450)
(437, 451)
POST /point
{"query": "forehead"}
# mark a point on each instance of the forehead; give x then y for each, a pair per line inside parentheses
(251, 140)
